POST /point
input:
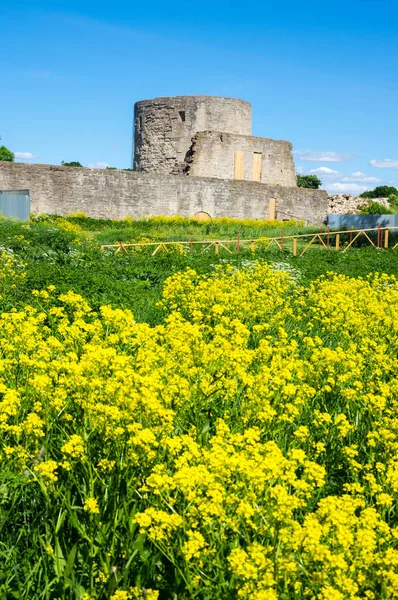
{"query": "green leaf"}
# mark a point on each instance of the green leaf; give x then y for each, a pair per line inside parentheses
(59, 560)
(71, 561)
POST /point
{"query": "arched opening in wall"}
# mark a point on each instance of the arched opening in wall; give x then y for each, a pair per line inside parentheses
(202, 216)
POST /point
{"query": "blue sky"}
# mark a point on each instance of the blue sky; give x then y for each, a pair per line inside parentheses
(320, 74)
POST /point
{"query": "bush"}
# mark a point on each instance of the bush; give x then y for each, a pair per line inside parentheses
(73, 163)
(393, 199)
(375, 208)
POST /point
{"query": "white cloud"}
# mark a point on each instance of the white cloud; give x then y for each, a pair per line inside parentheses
(358, 176)
(98, 165)
(328, 174)
(322, 156)
(324, 171)
(387, 163)
(346, 188)
(25, 155)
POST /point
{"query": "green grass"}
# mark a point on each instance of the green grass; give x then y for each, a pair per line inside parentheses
(72, 260)
(180, 229)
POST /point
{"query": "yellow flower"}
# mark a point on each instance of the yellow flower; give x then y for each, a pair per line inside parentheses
(91, 506)
(74, 447)
(385, 499)
(120, 595)
(47, 469)
(194, 546)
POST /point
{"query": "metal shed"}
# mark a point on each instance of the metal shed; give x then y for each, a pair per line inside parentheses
(15, 203)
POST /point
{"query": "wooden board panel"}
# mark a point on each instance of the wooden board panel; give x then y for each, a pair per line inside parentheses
(238, 166)
(202, 216)
(257, 166)
(272, 209)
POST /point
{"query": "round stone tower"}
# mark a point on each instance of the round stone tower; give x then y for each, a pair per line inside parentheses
(164, 127)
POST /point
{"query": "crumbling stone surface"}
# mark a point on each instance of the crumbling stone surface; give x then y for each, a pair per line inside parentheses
(164, 128)
(212, 155)
(349, 204)
(201, 136)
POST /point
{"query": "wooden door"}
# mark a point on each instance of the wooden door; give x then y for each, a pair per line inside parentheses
(257, 165)
(272, 209)
(238, 170)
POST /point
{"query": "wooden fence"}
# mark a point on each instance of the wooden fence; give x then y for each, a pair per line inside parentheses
(298, 244)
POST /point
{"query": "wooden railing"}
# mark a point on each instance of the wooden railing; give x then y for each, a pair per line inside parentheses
(325, 239)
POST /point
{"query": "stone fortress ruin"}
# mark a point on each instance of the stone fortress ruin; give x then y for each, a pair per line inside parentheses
(204, 136)
(193, 155)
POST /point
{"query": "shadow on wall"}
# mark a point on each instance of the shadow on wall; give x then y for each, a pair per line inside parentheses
(361, 221)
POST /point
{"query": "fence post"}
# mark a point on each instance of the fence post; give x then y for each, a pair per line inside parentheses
(282, 240)
(386, 238)
(252, 246)
(217, 247)
(191, 246)
(350, 235)
(238, 243)
(294, 246)
(328, 238)
(337, 242)
(378, 236)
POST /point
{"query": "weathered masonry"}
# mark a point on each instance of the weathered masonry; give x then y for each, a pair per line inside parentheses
(192, 154)
(215, 154)
(206, 136)
(164, 128)
(118, 194)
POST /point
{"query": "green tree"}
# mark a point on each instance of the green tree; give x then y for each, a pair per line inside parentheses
(308, 181)
(6, 154)
(73, 163)
(381, 191)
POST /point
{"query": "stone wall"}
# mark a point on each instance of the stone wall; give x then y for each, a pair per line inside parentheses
(117, 194)
(213, 155)
(164, 127)
(346, 203)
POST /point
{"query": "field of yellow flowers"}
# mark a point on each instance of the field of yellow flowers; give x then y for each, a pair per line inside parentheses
(244, 448)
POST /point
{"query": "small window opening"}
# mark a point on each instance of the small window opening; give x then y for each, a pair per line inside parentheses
(140, 122)
(182, 114)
